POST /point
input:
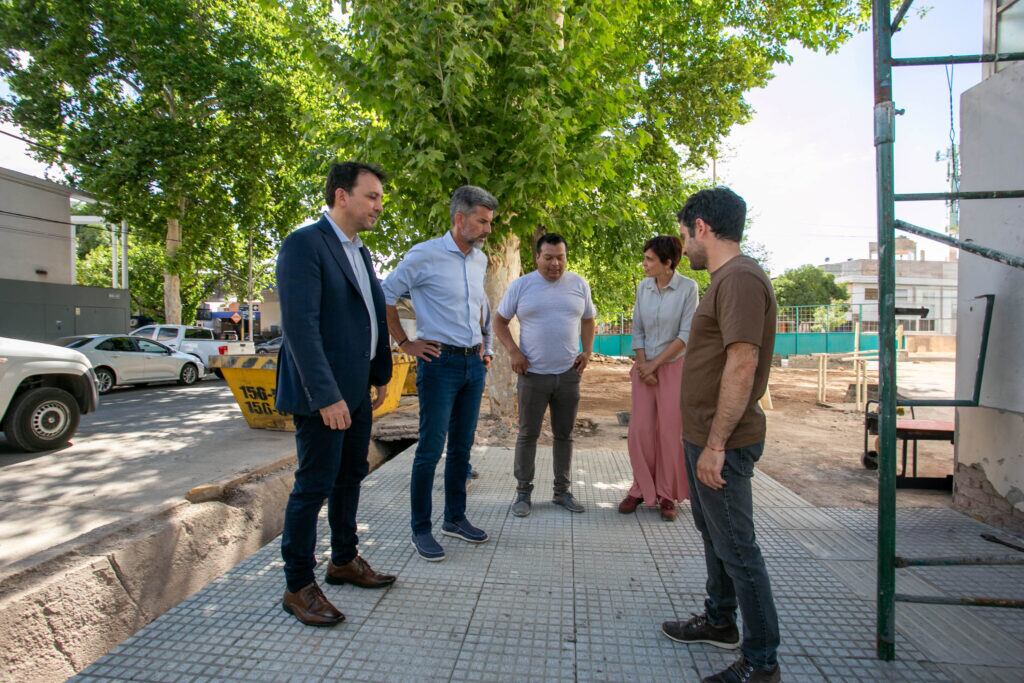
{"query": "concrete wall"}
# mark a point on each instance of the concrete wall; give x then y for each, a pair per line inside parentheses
(989, 481)
(40, 311)
(29, 243)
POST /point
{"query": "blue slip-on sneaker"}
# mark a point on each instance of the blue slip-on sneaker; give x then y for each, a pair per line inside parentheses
(427, 547)
(465, 531)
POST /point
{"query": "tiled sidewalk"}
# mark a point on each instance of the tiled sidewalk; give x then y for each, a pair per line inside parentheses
(557, 596)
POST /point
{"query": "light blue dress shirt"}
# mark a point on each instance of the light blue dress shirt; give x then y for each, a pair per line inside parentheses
(355, 258)
(661, 316)
(447, 290)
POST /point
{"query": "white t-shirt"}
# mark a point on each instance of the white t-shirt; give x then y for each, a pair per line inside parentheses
(549, 319)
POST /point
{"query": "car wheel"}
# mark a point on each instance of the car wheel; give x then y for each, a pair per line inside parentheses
(189, 375)
(105, 380)
(217, 371)
(42, 419)
(261, 352)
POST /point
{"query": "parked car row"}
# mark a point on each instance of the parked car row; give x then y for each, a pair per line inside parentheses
(46, 388)
(125, 359)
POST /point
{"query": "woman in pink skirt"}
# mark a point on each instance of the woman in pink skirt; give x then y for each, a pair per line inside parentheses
(665, 302)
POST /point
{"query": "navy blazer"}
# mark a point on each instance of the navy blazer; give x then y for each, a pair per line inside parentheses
(325, 356)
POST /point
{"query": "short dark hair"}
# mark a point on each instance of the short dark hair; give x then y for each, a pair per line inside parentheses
(345, 175)
(723, 210)
(552, 238)
(666, 248)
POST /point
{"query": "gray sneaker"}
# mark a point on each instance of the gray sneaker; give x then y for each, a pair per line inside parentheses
(567, 501)
(521, 507)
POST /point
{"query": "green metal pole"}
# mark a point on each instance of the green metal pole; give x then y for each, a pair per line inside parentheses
(885, 136)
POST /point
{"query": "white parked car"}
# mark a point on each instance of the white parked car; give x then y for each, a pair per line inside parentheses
(123, 359)
(44, 390)
(195, 341)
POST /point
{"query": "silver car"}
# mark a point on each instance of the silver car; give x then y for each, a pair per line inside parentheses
(121, 359)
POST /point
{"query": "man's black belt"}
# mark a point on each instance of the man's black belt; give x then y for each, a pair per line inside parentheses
(461, 350)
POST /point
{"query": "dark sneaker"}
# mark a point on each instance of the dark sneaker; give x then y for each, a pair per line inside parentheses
(521, 507)
(465, 531)
(428, 547)
(699, 630)
(567, 501)
(473, 474)
(742, 671)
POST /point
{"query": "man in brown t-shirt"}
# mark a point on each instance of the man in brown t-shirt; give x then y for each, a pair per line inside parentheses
(726, 372)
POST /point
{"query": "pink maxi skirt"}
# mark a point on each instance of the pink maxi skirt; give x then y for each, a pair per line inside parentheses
(656, 437)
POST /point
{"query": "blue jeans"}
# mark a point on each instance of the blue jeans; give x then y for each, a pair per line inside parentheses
(332, 465)
(449, 389)
(736, 569)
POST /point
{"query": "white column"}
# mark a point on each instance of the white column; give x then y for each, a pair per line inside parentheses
(124, 254)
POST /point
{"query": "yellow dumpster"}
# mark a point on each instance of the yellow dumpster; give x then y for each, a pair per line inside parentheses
(253, 382)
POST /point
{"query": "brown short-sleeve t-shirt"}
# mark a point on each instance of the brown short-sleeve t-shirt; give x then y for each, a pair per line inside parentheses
(739, 306)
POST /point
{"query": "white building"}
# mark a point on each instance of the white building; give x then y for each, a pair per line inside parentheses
(919, 283)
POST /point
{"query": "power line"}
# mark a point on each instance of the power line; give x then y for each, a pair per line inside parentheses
(44, 235)
(56, 221)
(48, 148)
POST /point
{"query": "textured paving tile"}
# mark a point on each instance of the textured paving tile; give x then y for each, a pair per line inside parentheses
(557, 596)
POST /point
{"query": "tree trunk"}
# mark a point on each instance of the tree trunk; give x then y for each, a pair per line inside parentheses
(172, 283)
(503, 267)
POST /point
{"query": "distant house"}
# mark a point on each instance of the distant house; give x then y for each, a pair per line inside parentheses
(930, 284)
(39, 297)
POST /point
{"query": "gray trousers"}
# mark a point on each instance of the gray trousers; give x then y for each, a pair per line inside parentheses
(536, 393)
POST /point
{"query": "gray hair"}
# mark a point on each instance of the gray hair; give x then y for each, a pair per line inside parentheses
(468, 197)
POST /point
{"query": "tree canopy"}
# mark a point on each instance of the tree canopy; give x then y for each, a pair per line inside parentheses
(808, 286)
(195, 121)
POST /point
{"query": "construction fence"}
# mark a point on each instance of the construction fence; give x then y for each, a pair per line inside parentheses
(799, 330)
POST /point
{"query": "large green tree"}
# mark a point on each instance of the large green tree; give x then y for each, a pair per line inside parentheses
(808, 286)
(569, 111)
(195, 120)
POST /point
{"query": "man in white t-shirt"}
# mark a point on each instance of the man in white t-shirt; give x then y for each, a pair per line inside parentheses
(555, 310)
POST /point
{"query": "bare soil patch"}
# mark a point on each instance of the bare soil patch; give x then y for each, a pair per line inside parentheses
(814, 450)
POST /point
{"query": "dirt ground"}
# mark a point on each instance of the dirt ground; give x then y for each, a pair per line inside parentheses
(814, 450)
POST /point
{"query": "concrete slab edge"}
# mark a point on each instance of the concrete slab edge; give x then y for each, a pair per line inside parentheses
(62, 609)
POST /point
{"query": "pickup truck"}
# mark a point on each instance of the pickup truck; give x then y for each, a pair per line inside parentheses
(195, 341)
(44, 391)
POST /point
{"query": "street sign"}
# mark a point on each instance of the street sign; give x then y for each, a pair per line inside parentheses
(236, 318)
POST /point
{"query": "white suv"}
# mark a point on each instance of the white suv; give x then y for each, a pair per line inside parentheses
(44, 390)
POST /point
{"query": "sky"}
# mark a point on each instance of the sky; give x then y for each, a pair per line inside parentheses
(805, 162)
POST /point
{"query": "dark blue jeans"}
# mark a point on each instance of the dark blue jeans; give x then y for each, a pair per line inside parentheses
(449, 389)
(332, 464)
(736, 570)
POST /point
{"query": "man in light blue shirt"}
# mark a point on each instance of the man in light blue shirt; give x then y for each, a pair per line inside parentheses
(445, 278)
(555, 310)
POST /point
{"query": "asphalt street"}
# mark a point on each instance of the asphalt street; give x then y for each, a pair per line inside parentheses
(141, 451)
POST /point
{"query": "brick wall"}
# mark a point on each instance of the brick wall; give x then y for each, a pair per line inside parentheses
(973, 494)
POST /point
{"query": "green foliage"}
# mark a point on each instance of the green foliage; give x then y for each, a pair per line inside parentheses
(200, 112)
(829, 318)
(579, 116)
(145, 279)
(808, 286)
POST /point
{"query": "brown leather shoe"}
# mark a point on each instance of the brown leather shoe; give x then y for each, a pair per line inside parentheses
(668, 510)
(357, 572)
(310, 606)
(629, 504)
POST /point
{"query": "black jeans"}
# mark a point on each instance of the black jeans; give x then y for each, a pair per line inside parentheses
(736, 569)
(332, 464)
(536, 393)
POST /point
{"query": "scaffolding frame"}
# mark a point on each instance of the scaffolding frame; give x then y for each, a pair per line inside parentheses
(883, 28)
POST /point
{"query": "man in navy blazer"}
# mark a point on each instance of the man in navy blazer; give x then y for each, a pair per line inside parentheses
(336, 346)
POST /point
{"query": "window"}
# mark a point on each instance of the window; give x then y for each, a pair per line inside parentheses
(147, 346)
(117, 344)
(871, 294)
(167, 333)
(75, 342)
(198, 333)
(145, 331)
